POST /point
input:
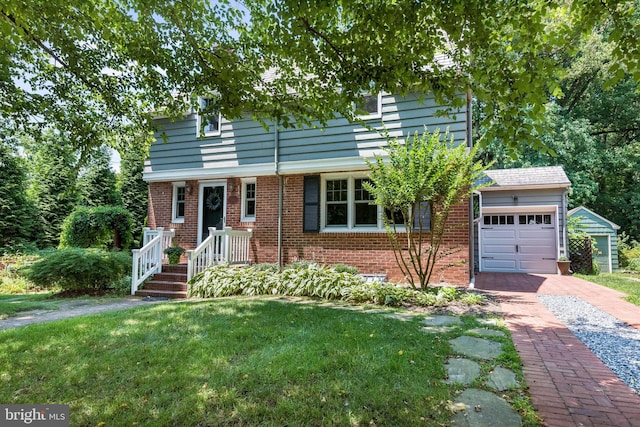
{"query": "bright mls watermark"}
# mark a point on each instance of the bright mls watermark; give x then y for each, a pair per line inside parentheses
(34, 415)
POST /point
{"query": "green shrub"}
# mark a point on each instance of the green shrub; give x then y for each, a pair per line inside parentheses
(344, 268)
(97, 227)
(79, 269)
(313, 280)
(628, 252)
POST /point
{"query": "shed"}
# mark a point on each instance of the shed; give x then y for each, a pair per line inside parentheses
(604, 233)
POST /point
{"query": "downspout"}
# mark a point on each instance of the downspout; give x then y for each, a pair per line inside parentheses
(276, 154)
(471, 218)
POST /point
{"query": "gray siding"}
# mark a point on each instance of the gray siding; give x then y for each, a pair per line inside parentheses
(244, 142)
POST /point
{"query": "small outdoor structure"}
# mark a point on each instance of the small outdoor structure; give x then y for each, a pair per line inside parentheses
(603, 232)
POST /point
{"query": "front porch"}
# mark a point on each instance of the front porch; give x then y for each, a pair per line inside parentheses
(152, 276)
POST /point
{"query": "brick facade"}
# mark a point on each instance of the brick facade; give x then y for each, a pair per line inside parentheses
(370, 252)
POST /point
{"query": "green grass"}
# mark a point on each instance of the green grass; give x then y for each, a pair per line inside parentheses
(237, 362)
(623, 282)
(10, 305)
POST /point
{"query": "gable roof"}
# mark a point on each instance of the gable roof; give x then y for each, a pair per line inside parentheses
(526, 178)
(575, 211)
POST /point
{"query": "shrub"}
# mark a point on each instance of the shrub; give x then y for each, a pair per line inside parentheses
(313, 280)
(79, 269)
(628, 252)
(103, 227)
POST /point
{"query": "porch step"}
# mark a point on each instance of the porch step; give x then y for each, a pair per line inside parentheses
(171, 283)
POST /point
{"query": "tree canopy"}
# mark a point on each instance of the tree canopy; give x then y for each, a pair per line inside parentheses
(102, 67)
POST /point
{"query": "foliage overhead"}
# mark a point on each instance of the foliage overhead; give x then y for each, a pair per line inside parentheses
(96, 66)
(420, 181)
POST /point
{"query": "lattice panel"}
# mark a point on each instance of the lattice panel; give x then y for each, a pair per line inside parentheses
(581, 255)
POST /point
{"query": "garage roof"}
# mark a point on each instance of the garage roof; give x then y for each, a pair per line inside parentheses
(526, 178)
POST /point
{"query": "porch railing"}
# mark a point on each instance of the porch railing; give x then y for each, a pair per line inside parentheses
(222, 246)
(147, 260)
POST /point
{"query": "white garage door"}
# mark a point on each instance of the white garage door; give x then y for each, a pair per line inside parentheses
(518, 242)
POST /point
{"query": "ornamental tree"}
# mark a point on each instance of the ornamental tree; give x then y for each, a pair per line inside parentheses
(418, 183)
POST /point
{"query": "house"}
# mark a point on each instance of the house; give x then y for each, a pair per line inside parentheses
(299, 191)
(603, 232)
(521, 227)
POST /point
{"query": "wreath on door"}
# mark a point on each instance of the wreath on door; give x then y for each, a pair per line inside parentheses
(213, 202)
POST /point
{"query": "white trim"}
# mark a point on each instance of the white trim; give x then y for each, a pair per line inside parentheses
(350, 227)
(201, 204)
(610, 261)
(356, 164)
(575, 210)
(519, 209)
(175, 219)
(261, 169)
(243, 198)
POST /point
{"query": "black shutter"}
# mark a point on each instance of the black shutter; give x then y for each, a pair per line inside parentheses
(311, 213)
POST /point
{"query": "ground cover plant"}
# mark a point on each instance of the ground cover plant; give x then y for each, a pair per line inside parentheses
(314, 280)
(237, 361)
(628, 283)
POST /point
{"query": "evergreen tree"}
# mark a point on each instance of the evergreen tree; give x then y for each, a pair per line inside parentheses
(133, 189)
(97, 182)
(17, 224)
(53, 168)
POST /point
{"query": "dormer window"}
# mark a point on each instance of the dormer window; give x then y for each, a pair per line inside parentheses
(209, 118)
(369, 106)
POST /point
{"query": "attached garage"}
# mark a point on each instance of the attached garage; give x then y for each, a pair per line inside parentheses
(521, 226)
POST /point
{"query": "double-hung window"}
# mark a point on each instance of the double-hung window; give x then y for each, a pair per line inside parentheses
(248, 213)
(178, 203)
(347, 205)
(209, 118)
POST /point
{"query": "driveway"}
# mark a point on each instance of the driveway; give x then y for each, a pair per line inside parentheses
(569, 385)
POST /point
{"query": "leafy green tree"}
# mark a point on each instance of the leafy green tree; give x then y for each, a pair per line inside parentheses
(105, 64)
(53, 174)
(133, 189)
(424, 178)
(17, 213)
(97, 181)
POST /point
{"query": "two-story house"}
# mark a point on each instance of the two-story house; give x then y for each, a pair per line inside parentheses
(300, 192)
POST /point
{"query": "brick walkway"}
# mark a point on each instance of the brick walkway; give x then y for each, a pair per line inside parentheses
(569, 385)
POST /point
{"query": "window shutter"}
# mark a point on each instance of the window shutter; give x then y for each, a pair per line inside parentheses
(311, 212)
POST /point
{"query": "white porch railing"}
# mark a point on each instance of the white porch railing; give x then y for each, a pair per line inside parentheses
(222, 246)
(148, 259)
(167, 237)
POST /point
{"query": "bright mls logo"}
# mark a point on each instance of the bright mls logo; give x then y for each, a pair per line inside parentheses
(34, 415)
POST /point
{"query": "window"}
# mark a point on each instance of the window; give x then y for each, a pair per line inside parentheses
(209, 118)
(179, 193)
(248, 213)
(366, 210)
(369, 106)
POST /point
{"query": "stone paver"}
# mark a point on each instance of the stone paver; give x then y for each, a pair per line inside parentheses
(441, 320)
(502, 379)
(478, 348)
(461, 371)
(569, 385)
(484, 409)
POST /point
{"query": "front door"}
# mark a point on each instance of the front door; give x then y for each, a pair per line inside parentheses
(213, 209)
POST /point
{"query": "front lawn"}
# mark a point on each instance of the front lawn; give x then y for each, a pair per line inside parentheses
(238, 362)
(629, 283)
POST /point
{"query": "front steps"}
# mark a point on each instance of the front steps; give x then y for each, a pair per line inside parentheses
(171, 283)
